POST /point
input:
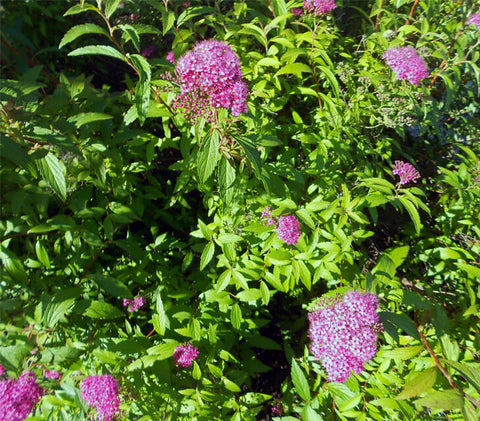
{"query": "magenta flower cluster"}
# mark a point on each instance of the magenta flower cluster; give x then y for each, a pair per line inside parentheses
(343, 332)
(288, 227)
(19, 397)
(210, 77)
(406, 172)
(474, 20)
(52, 374)
(135, 304)
(319, 6)
(101, 393)
(184, 355)
(407, 64)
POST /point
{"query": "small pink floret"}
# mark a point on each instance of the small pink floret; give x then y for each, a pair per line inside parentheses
(184, 355)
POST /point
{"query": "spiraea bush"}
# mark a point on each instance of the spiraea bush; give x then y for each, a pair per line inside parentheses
(240, 210)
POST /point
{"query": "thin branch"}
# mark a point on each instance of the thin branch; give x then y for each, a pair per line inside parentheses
(444, 370)
(26, 234)
(412, 11)
(379, 15)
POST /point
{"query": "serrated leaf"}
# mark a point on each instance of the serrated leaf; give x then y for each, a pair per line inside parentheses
(419, 383)
(80, 8)
(251, 294)
(160, 316)
(111, 6)
(444, 399)
(412, 211)
(402, 353)
(223, 280)
(470, 371)
(300, 382)
(208, 156)
(42, 254)
(229, 385)
(265, 293)
(142, 90)
(103, 50)
(402, 321)
(207, 254)
(79, 30)
(111, 285)
(84, 118)
(294, 68)
(12, 151)
(226, 180)
(53, 172)
(196, 372)
(102, 310)
(236, 316)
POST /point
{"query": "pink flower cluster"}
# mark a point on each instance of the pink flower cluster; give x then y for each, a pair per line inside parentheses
(406, 172)
(101, 392)
(343, 332)
(407, 64)
(210, 77)
(135, 304)
(288, 227)
(319, 6)
(171, 57)
(474, 20)
(2, 369)
(52, 374)
(18, 397)
(184, 355)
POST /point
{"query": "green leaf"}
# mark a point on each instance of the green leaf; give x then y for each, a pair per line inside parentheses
(412, 211)
(420, 383)
(111, 285)
(445, 399)
(168, 20)
(103, 50)
(252, 154)
(332, 80)
(80, 8)
(223, 280)
(300, 382)
(111, 6)
(229, 385)
(12, 151)
(309, 414)
(42, 254)
(53, 172)
(217, 372)
(279, 257)
(251, 294)
(236, 316)
(294, 68)
(401, 321)
(191, 12)
(265, 293)
(402, 353)
(207, 254)
(196, 372)
(79, 30)
(142, 90)
(84, 118)
(102, 310)
(226, 180)
(15, 355)
(208, 156)
(470, 371)
(160, 318)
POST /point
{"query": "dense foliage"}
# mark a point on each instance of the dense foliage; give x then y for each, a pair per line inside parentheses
(180, 181)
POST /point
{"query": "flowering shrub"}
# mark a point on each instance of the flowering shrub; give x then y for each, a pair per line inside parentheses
(140, 142)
